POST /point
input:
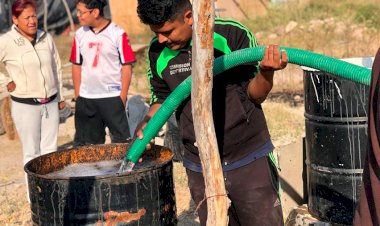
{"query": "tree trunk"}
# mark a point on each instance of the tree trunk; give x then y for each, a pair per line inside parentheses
(201, 99)
(68, 11)
(45, 15)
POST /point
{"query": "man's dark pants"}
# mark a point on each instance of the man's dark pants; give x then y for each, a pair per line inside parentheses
(253, 191)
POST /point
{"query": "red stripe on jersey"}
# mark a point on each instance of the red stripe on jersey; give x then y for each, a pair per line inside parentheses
(127, 55)
(73, 56)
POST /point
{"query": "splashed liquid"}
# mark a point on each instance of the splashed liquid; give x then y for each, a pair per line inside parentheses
(126, 166)
(99, 168)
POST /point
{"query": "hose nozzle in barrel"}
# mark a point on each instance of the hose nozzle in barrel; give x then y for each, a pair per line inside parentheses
(126, 166)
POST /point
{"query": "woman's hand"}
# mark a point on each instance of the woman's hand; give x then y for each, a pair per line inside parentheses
(11, 86)
(61, 105)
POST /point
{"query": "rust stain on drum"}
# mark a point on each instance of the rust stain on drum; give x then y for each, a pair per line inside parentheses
(113, 218)
(94, 153)
(165, 155)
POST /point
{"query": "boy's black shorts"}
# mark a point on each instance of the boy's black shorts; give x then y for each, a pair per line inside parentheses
(93, 115)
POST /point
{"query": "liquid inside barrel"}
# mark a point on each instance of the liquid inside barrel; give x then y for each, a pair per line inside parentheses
(80, 186)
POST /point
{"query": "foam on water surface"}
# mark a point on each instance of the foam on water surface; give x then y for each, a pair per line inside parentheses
(99, 168)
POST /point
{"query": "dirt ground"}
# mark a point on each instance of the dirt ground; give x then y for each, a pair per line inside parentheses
(14, 208)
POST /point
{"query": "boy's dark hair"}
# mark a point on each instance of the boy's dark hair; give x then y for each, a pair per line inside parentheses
(157, 12)
(94, 4)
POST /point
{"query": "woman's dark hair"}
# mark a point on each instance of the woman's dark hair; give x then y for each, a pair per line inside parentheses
(157, 12)
(94, 4)
(19, 5)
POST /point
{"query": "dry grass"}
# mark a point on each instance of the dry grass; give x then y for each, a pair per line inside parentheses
(332, 27)
(13, 205)
(140, 83)
(285, 123)
(341, 29)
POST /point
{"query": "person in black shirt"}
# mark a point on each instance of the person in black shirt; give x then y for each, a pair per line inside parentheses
(244, 142)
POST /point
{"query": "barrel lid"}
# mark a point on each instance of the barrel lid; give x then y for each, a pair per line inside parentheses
(360, 61)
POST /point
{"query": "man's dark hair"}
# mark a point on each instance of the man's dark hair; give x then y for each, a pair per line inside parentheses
(94, 4)
(157, 12)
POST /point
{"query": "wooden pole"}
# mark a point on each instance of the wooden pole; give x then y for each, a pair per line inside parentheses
(45, 15)
(201, 99)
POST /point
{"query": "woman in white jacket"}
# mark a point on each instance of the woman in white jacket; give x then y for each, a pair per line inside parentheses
(34, 83)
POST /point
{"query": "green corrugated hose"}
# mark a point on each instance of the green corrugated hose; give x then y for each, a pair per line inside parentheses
(296, 56)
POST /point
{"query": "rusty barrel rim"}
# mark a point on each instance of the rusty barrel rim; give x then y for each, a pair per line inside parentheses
(116, 151)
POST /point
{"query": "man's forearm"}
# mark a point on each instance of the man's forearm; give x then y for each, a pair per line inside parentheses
(260, 86)
(152, 110)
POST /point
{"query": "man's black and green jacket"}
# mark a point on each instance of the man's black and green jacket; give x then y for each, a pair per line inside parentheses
(240, 125)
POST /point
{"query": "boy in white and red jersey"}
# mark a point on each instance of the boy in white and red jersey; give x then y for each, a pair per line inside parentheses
(102, 68)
